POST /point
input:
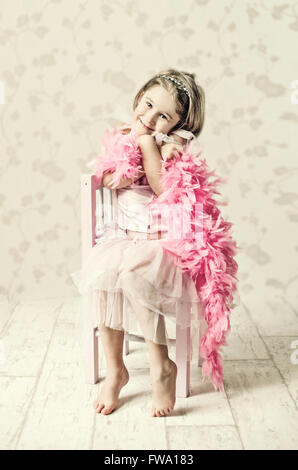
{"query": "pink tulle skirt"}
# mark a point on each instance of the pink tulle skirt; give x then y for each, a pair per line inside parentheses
(134, 285)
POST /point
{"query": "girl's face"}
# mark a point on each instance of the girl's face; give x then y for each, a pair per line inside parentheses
(155, 112)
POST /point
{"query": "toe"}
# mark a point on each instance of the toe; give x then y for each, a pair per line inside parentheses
(99, 408)
(107, 410)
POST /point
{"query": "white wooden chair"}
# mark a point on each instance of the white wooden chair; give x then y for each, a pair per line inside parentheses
(95, 198)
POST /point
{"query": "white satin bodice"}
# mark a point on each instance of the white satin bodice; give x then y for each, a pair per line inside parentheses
(133, 213)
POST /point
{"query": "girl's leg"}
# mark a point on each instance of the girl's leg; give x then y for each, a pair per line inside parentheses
(163, 371)
(117, 375)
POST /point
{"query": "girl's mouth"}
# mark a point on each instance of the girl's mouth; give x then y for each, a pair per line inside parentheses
(145, 127)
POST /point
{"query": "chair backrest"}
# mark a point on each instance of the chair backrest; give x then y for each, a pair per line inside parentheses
(98, 209)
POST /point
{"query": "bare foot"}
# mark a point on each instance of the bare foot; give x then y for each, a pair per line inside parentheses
(164, 389)
(107, 400)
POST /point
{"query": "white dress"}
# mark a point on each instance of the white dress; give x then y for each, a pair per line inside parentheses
(133, 284)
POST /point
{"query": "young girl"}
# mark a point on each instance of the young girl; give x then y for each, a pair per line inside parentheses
(135, 283)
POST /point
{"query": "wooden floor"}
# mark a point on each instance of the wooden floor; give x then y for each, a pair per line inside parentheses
(45, 404)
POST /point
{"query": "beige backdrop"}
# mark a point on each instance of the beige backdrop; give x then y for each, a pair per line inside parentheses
(67, 70)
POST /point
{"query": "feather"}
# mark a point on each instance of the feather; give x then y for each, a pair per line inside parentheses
(120, 154)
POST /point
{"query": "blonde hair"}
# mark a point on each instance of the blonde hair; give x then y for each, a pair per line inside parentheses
(191, 109)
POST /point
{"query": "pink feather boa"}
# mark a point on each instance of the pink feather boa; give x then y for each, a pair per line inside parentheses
(211, 263)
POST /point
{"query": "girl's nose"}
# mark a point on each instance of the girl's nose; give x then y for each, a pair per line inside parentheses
(150, 118)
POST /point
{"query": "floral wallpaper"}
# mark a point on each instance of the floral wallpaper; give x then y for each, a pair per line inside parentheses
(70, 68)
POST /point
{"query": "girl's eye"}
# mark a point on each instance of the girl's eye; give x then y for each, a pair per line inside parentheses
(147, 102)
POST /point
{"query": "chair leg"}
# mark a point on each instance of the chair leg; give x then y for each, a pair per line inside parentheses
(182, 361)
(90, 343)
(126, 345)
(91, 356)
(200, 360)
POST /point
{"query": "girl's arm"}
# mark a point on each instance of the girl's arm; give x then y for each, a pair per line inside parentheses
(151, 161)
(107, 178)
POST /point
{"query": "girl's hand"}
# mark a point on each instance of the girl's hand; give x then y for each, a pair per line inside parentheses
(167, 150)
(143, 139)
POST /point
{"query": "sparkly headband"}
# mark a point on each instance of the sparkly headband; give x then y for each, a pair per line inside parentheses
(178, 83)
